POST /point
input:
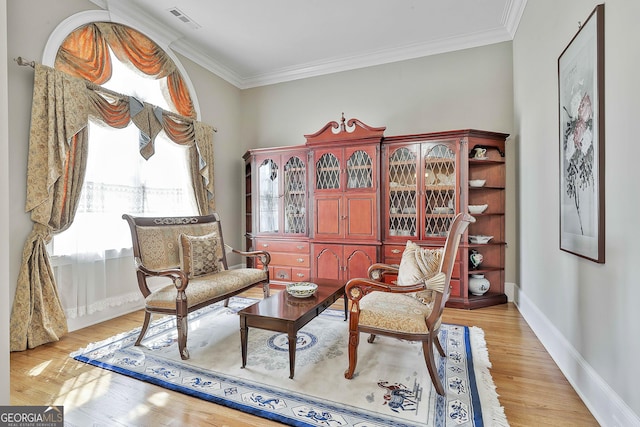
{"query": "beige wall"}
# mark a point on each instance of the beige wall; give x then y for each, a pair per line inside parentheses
(5, 305)
(466, 89)
(586, 313)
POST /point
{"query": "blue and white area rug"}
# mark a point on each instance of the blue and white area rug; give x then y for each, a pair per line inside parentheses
(391, 386)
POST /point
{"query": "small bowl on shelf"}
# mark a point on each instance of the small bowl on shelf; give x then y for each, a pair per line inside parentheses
(301, 289)
(477, 183)
(479, 239)
(441, 210)
(477, 209)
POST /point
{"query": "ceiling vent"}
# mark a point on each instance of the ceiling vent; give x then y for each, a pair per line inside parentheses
(184, 18)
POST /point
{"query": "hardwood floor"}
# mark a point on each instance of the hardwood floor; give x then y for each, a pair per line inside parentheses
(532, 389)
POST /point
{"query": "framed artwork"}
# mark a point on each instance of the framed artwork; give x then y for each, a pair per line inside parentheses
(581, 119)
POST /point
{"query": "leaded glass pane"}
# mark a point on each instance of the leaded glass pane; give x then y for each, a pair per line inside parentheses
(402, 193)
(268, 202)
(439, 186)
(294, 196)
(359, 170)
(327, 172)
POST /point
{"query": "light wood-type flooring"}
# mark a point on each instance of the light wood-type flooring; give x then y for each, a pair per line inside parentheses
(532, 389)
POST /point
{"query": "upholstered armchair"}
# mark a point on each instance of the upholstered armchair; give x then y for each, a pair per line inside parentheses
(411, 308)
(190, 252)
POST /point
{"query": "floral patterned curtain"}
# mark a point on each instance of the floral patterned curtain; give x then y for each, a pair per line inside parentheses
(58, 139)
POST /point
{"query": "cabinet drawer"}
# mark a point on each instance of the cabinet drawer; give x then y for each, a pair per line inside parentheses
(282, 246)
(281, 273)
(455, 287)
(300, 274)
(393, 252)
(290, 259)
(290, 274)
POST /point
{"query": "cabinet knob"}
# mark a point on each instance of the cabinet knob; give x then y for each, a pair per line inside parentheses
(300, 247)
(265, 245)
(300, 259)
(395, 251)
(300, 274)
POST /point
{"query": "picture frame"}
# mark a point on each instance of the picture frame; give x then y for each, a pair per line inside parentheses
(582, 134)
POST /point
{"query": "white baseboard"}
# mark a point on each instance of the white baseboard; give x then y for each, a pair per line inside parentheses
(603, 402)
(104, 315)
(510, 291)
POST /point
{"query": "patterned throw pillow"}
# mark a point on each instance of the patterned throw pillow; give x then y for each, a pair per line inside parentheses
(418, 264)
(199, 255)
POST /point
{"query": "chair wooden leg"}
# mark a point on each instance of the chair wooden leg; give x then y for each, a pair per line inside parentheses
(226, 302)
(354, 338)
(145, 325)
(371, 338)
(265, 290)
(183, 328)
(427, 349)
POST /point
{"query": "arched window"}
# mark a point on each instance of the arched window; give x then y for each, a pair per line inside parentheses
(92, 257)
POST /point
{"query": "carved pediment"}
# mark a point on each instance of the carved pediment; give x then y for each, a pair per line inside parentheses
(345, 131)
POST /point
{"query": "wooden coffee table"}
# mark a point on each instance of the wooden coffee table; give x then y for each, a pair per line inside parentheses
(283, 313)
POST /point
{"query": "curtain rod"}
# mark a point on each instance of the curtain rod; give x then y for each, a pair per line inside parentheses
(21, 61)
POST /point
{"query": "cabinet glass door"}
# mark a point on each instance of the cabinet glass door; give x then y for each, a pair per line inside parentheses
(403, 189)
(295, 190)
(439, 161)
(268, 206)
(328, 172)
(359, 170)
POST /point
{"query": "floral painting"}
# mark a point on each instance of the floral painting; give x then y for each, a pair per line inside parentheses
(580, 87)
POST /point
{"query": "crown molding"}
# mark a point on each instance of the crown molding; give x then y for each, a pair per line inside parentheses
(512, 15)
(127, 13)
(219, 69)
(380, 57)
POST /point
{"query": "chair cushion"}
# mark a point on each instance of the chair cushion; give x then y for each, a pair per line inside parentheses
(207, 287)
(200, 255)
(394, 313)
(418, 264)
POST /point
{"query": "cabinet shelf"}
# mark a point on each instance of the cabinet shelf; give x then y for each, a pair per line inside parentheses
(439, 187)
(473, 162)
(439, 160)
(480, 215)
(486, 187)
(484, 245)
(485, 269)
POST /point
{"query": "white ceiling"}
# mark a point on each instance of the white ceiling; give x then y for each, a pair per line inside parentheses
(257, 42)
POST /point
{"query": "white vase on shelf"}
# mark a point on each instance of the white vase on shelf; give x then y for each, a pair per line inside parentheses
(478, 284)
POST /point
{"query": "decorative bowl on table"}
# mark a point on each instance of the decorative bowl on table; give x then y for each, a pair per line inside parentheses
(477, 182)
(301, 289)
(477, 209)
(479, 239)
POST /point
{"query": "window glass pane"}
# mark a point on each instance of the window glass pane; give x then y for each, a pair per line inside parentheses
(129, 81)
(119, 180)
